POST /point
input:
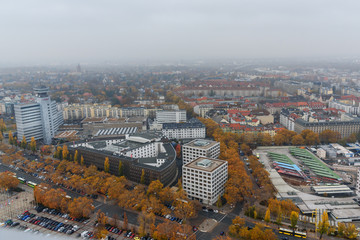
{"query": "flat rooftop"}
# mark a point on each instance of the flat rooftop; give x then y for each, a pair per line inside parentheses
(66, 134)
(94, 119)
(116, 131)
(206, 164)
(201, 143)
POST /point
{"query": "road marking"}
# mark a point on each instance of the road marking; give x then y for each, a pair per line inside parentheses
(100, 204)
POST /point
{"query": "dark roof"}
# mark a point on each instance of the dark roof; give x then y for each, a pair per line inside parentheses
(192, 123)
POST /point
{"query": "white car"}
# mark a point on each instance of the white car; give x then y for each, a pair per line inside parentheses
(216, 211)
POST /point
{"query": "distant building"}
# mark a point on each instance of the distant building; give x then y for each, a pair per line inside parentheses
(202, 109)
(346, 107)
(204, 179)
(133, 112)
(345, 128)
(200, 148)
(175, 116)
(190, 130)
(40, 120)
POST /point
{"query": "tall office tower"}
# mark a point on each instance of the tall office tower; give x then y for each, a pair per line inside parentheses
(40, 120)
(358, 183)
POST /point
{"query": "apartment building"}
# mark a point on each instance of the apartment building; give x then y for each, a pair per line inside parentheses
(345, 128)
(191, 130)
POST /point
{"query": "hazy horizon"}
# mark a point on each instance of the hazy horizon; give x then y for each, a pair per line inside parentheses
(88, 31)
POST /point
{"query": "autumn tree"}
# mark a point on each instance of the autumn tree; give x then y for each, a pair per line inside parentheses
(11, 138)
(294, 219)
(323, 225)
(100, 230)
(154, 188)
(245, 148)
(33, 145)
(219, 202)
(2, 126)
(259, 233)
(81, 207)
(178, 150)
(351, 231)
(145, 220)
(76, 156)
(23, 142)
(57, 153)
(101, 217)
(8, 181)
(168, 230)
(352, 138)
(279, 217)
(121, 169)
(341, 229)
(142, 177)
(236, 226)
(279, 139)
(288, 135)
(329, 136)
(106, 165)
(184, 209)
(65, 152)
(1, 137)
(297, 140)
(82, 160)
(267, 216)
(125, 223)
(266, 139)
(211, 126)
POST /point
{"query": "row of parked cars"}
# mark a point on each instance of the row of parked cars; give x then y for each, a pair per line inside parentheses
(171, 218)
(11, 224)
(127, 234)
(48, 223)
(56, 212)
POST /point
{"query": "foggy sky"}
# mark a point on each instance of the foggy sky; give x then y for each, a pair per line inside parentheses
(68, 31)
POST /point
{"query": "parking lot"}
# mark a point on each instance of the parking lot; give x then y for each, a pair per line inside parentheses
(48, 222)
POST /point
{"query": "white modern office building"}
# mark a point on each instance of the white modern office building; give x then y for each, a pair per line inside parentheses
(200, 148)
(174, 116)
(40, 120)
(204, 179)
(358, 182)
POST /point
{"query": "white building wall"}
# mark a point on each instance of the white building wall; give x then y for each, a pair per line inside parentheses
(171, 116)
(203, 185)
(190, 153)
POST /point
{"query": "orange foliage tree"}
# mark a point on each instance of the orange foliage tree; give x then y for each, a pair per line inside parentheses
(8, 180)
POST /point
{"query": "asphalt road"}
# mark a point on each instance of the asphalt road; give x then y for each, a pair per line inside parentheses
(224, 221)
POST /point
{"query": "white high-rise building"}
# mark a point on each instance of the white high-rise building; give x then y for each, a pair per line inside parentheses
(200, 148)
(175, 116)
(204, 179)
(358, 183)
(40, 120)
